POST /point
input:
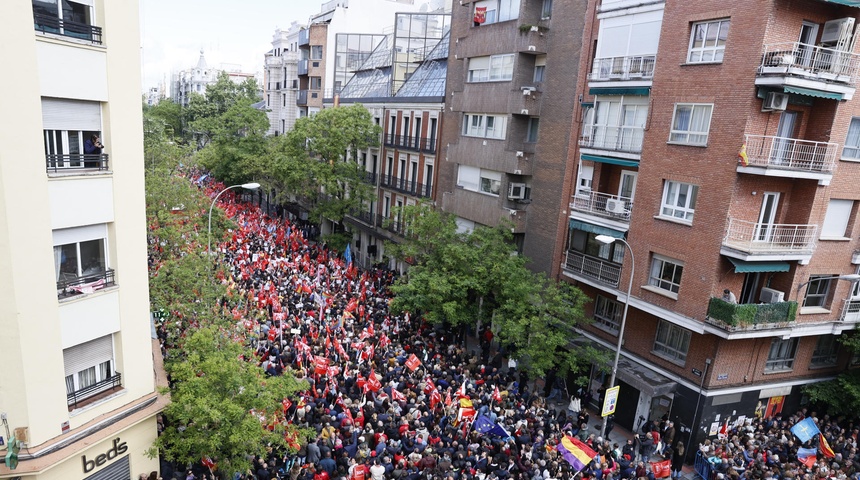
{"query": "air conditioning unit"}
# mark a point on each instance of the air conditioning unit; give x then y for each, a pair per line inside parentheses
(836, 29)
(775, 101)
(769, 295)
(519, 154)
(516, 191)
(614, 205)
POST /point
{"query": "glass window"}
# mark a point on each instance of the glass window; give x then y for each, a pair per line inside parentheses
(495, 68)
(781, 355)
(708, 41)
(690, 124)
(486, 126)
(607, 314)
(818, 291)
(852, 141)
(666, 273)
(86, 377)
(540, 70)
(490, 185)
(546, 9)
(679, 200)
(532, 133)
(80, 259)
(672, 342)
(316, 52)
(316, 83)
(825, 352)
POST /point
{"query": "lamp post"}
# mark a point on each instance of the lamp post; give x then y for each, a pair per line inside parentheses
(249, 186)
(606, 239)
(852, 277)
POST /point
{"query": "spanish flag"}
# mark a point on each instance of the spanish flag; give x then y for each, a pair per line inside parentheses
(825, 447)
(742, 156)
(577, 454)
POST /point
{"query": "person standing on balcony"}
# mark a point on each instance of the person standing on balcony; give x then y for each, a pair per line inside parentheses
(93, 146)
(728, 296)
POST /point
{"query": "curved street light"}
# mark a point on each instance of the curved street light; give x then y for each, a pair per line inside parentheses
(249, 186)
(851, 277)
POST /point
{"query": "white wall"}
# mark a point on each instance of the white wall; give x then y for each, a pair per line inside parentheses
(89, 318)
(79, 73)
(81, 201)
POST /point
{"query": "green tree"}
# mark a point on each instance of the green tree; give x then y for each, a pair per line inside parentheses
(840, 395)
(477, 278)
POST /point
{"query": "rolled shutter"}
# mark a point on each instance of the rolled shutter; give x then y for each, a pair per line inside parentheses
(74, 115)
(118, 470)
(88, 354)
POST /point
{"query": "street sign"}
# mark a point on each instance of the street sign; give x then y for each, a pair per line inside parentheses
(697, 372)
(610, 401)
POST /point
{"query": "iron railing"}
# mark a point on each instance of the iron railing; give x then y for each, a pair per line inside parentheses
(302, 67)
(595, 268)
(393, 225)
(620, 139)
(635, 67)
(603, 205)
(405, 142)
(51, 24)
(302, 97)
(406, 186)
(304, 37)
(370, 178)
(810, 61)
(55, 163)
(763, 238)
(111, 382)
(364, 215)
(791, 154)
(851, 311)
(69, 287)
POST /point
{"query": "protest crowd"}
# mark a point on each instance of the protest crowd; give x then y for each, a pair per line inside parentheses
(392, 397)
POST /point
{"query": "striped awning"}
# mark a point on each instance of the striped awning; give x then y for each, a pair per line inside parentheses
(612, 160)
(595, 229)
(742, 266)
(813, 93)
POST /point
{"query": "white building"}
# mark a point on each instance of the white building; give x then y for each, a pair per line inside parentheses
(281, 81)
(77, 384)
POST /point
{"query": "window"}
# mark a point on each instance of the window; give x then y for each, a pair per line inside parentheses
(481, 125)
(825, 352)
(495, 68)
(679, 200)
(532, 132)
(607, 314)
(665, 273)
(316, 52)
(836, 219)
(781, 355)
(479, 180)
(74, 15)
(68, 125)
(672, 342)
(491, 182)
(496, 11)
(80, 254)
(852, 141)
(708, 41)
(546, 9)
(540, 68)
(316, 83)
(89, 368)
(818, 291)
(690, 124)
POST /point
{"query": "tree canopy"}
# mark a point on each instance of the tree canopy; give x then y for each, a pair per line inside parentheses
(840, 395)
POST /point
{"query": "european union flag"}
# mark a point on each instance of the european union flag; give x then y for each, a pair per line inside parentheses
(347, 254)
(485, 426)
(805, 429)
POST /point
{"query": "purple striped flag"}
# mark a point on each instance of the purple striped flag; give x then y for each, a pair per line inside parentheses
(575, 452)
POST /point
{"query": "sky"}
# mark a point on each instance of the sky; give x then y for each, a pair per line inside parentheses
(232, 33)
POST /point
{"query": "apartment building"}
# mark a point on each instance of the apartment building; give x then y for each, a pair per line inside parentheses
(74, 308)
(509, 105)
(281, 80)
(721, 141)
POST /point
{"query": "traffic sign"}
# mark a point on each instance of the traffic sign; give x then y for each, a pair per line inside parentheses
(610, 400)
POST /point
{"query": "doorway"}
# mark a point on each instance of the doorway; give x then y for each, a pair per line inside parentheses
(765, 226)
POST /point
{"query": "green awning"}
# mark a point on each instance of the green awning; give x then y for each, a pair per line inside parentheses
(595, 229)
(850, 3)
(813, 93)
(742, 266)
(613, 161)
(619, 90)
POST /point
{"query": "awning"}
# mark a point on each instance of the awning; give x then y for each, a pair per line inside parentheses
(596, 229)
(614, 161)
(813, 93)
(742, 266)
(619, 91)
(850, 3)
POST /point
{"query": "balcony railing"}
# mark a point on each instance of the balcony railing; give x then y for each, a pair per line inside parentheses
(56, 25)
(620, 139)
(74, 285)
(111, 382)
(766, 238)
(405, 186)
(592, 267)
(56, 163)
(810, 61)
(603, 205)
(421, 144)
(302, 97)
(302, 67)
(370, 178)
(304, 37)
(851, 311)
(364, 216)
(637, 67)
(734, 316)
(791, 154)
(393, 225)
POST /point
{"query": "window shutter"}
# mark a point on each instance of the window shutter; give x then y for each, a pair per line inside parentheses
(65, 236)
(469, 177)
(88, 354)
(836, 218)
(64, 114)
(118, 470)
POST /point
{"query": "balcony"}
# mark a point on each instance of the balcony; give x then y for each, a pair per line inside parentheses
(790, 158)
(364, 216)
(832, 72)
(526, 100)
(83, 396)
(370, 177)
(58, 26)
(532, 41)
(614, 139)
(64, 163)
(302, 98)
(851, 311)
(302, 68)
(753, 316)
(393, 225)
(418, 144)
(304, 37)
(603, 205)
(632, 68)
(405, 186)
(70, 285)
(578, 264)
(769, 241)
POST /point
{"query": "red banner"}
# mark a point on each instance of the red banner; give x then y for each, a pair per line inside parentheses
(661, 469)
(320, 365)
(413, 363)
(480, 14)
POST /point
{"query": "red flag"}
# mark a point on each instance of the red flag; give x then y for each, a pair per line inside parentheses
(351, 306)
(332, 371)
(435, 397)
(397, 396)
(208, 463)
(448, 400)
(320, 365)
(461, 392)
(661, 469)
(272, 334)
(413, 363)
(384, 341)
(373, 382)
(825, 447)
(287, 404)
(370, 329)
(497, 396)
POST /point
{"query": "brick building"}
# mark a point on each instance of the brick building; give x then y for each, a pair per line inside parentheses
(721, 140)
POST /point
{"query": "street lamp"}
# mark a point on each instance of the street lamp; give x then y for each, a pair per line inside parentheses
(851, 277)
(606, 239)
(249, 186)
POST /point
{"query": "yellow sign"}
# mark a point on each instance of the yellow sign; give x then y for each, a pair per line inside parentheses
(610, 401)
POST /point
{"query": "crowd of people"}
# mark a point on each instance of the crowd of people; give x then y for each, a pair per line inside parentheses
(391, 397)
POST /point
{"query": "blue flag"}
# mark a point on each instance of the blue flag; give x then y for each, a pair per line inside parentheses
(805, 429)
(347, 255)
(486, 426)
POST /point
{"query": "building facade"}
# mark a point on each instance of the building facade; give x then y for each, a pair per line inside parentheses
(509, 105)
(722, 146)
(74, 282)
(281, 80)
